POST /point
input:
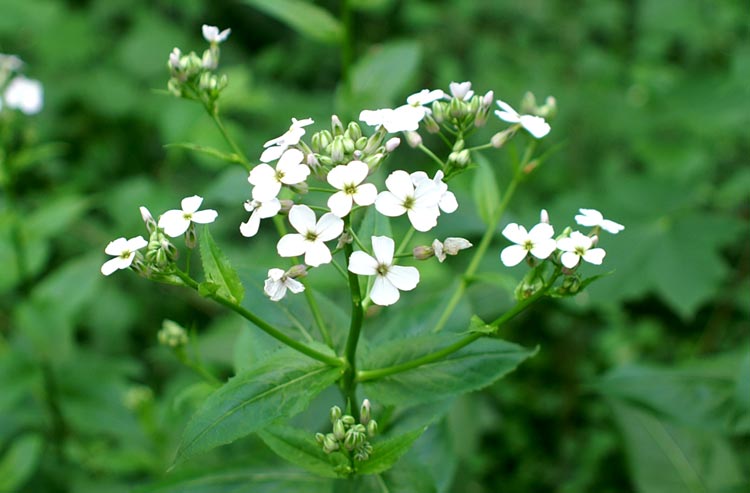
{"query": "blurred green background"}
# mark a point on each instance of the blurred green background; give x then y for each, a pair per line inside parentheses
(642, 383)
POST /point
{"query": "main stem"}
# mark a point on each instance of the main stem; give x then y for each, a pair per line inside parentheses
(228, 138)
(349, 382)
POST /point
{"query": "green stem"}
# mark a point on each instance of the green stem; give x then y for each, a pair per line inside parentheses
(228, 138)
(349, 383)
(433, 156)
(405, 242)
(263, 325)
(484, 243)
(318, 316)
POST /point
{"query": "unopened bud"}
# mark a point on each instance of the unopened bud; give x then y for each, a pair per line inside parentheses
(364, 412)
(338, 149)
(430, 124)
(339, 430)
(460, 159)
(571, 284)
(372, 428)
(174, 59)
(528, 104)
(474, 104)
(301, 188)
(337, 128)
(456, 108)
(423, 252)
(392, 144)
(549, 110)
(499, 139)
(330, 444)
(594, 240)
(335, 413)
(286, 206)
(151, 225)
(360, 144)
(544, 217)
(191, 238)
(172, 334)
(413, 139)
(320, 438)
(344, 239)
(209, 60)
(348, 419)
(321, 140)
(488, 99)
(349, 145)
(531, 166)
(459, 145)
(374, 161)
(439, 110)
(353, 131)
(452, 245)
(297, 271)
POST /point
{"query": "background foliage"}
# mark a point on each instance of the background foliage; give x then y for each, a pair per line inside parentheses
(640, 384)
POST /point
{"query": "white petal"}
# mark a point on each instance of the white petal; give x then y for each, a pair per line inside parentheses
(273, 153)
(302, 218)
(317, 253)
(404, 119)
(291, 245)
(269, 208)
(383, 292)
(566, 244)
(275, 274)
(209, 32)
(267, 191)
(383, 248)
(205, 217)
(338, 177)
(363, 264)
(404, 278)
(250, 228)
(373, 117)
(340, 203)
(506, 109)
(116, 247)
(418, 177)
(114, 264)
(366, 194)
(536, 125)
(136, 243)
(423, 219)
(389, 205)
(296, 174)
(611, 226)
(544, 248)
(399, 183)
(581, 240)
(174, 223)
(569, 259)
(294, 285)
(276, 290)
(507, 117)
(516, 233)
(512, 255)
(541, 232)
(289, 160)
(448, 202)
(594, 256)
(589, 217)
(329, 227)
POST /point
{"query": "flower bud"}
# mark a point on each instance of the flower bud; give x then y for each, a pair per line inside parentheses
(372, 428)
(339, 430)
(459, 145)
(362, 453)
(360, 143)
(172, 334)
(138, 396)
(335, 413)
(174, 87)
(344, 239)
(544, 216)
(456, 108)
(474, 105)
(594, 240)
(364, 412)
(353, 131)
(460, 159)
(312, 161)
(488, 99)
(321, 140)
(392, 144)
(301, 188)
(439, 110)
(423, 252)
(531, 166)
(330, 444)
(320, 438)
(452, 245)
(413, 139)
(549, 110)
(191, 238)
(348, 419)
(528, 104)
(337, 128)
(499, 139)
(338, 149)
(174, 60)
(375, 140)
(286, 206)
(325, 160)
(148, 219)
(430, 124)
(349, 145)
(297, 271)
(210, 61)
(374, 161)
(571, 284)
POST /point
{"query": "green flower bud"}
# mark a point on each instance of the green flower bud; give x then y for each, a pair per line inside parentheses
(335, 413)
(430, 124)
(330, 444)
(337, 128)
(172, 334)
(325, 161)
(439, 111)
(320, 438)
(339, 430)
(373, 161)
(459, 145)
(348, 420)
(338, 149)
(528, 104)
(499, 139)
(361, 143)
(372, 428)
(456, 108)
(364, 412)
(348, 145)
(353, 131)
(423, 252)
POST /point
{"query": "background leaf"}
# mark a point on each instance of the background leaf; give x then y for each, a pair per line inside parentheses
(304, 17)
(218, 270)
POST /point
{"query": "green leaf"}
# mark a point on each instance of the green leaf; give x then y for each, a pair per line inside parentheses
(385, 453)
(54, 217)
(478, 325)
(299, 447)
(405, 477)
(475, 366)
(485, 190)
(243, 480)
(209, 151)
(218, 270)
(304, 17)
(19, 462)
(276, 388)
(379, 77)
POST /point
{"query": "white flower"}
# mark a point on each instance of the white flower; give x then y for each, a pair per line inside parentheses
(448, 202)
(177, 221)
(420, 202)
(212, 34)
(538, 242)
(259, 210)
(389, 278)
(451, 247)
(594, 218)
(278, 282)
(311, 235)
(348, 178)
(425, 96)
(274, 148)
(579, 245)
(461, 90)
(124, 252)
(402, 119)
(535, 125)
(25, 94)
(289, 171)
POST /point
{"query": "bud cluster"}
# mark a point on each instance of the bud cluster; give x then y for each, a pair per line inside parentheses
(172, 335)
(348, 435)
(342, 145)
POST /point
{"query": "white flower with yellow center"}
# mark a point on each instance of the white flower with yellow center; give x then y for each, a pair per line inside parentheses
(259, 210)
(538, 242)
(176, 221)
(347, 179)
(278, 282)
(212, 34)
(579, 246)
(289, 170)
(311, 235)
(535, 125)
(389, 278)
(124, 252)
(274, 148)
(419, 202)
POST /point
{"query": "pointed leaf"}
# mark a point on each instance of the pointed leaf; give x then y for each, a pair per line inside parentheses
(242, 480)
(218, 270)
(385, 453)
(20, 461)
(299, 447)
(276, 388)
(382, 74)
(304, 17)
(485, 190)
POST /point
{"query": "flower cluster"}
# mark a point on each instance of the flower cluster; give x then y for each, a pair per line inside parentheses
(573, 246)
(348, 435)
(17, 91)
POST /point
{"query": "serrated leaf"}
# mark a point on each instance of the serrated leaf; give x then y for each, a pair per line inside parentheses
(379, 76)
(470, 368)
(385, 453)
(218, 270)
(276, 388)
(243, 480)
(299, 447)
(20, 461)
(304, 17)
(485, 190)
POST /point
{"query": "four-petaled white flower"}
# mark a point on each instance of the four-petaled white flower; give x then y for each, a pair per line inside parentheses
(593, 218)
(578, 246)
(535, 125)
(289, 171)
(461, 90)
(176, 221)
(274, 148)
(448, 202)
(259, 210)
(348, 178)
(538, 241)
(124, 252)
(26, 95)
(278, 282)
(420, 203)
(425, 96)
(389, 278)
(402, 119)
(311, 235)
(212, 34)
